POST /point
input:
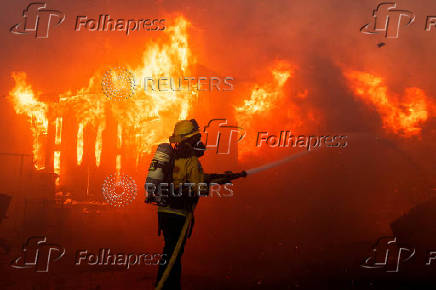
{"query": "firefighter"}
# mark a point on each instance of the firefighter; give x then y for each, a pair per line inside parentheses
(175, 218)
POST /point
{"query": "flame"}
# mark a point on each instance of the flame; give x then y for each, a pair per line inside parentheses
(402, 115)
(80, 144)
(143, 120)
(147, 118)
(25, 102)
(99, 144)
(58, 136)
(118, 164)
(57, 165)
(268, 103)
(119, 136)
(57, 154)
(264, 97)
(153, 113)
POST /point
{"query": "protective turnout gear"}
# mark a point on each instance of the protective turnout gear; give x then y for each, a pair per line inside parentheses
(172, 227)
(183, 130)
(186, 170)
(160, 171)
(199, 149)
(175, 214)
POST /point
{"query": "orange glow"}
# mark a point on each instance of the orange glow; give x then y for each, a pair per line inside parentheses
(25, 102)
(58, 136)
(80, 144)
(148, 116)
(57, 165)
(402, 115)
(264, 97)
(270, 104)
(118, 164)
(119, 136)
(98, 144)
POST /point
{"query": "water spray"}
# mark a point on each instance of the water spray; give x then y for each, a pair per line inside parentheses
(228, 176)
(275, 163)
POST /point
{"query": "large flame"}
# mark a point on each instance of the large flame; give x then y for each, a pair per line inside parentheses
(144, 119)
(25, 102)
(402, 115)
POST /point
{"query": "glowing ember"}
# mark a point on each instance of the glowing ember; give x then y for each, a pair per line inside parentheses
(402, 115)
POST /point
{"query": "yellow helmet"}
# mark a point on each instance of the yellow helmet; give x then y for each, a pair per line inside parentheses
(183, 130)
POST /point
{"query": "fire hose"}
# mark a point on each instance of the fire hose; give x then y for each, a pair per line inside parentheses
(226, 177)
